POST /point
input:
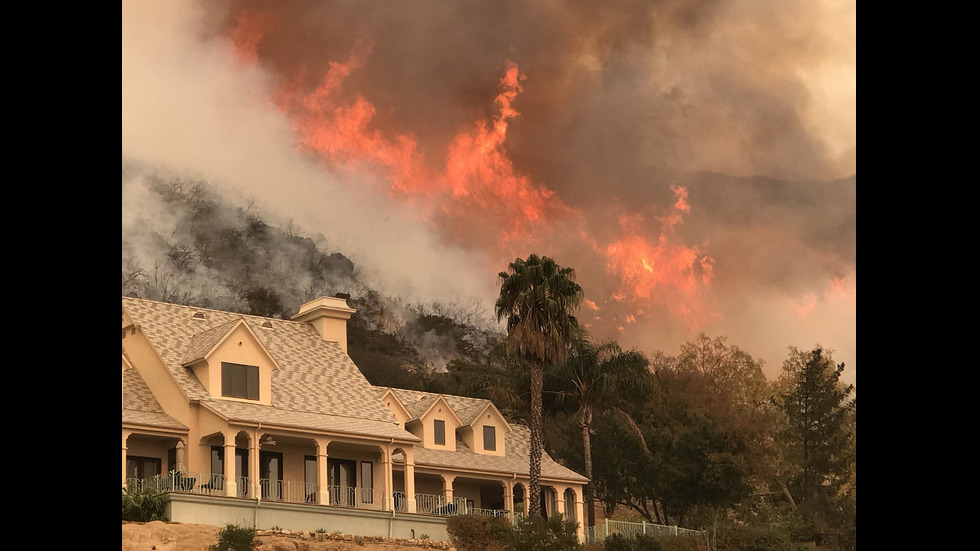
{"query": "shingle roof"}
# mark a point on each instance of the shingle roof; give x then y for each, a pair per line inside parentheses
(303, 388)
(140, 407)
(252, 413)
(516, 441)
(516, 460)
(417, 401)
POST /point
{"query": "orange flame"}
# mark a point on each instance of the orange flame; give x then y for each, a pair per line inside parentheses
(478, 189)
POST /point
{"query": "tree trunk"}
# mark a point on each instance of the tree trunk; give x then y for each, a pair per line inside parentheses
(586, 423)
(534, 487)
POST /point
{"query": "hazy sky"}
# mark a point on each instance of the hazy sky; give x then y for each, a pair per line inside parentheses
(433, 142)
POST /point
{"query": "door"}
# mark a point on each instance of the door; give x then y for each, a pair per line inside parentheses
(270, 474)
(217, 482)
(343, 481)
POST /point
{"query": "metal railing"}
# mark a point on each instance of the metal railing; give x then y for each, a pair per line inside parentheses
(301, 492)
(633, 529)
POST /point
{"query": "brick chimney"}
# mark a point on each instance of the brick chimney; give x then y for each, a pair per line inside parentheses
(328, 315)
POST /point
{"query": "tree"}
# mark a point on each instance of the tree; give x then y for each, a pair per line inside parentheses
(600, 378)
(537, 297)
(820, 431)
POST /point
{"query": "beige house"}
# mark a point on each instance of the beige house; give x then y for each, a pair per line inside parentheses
(314, 445)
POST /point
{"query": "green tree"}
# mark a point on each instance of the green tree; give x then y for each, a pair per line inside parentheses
(819, 436)
(537, 297)
(600, 378)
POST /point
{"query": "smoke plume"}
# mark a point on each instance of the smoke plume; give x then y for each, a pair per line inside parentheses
(694, 162)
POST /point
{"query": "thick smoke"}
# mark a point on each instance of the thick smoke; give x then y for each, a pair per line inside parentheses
(621, 105)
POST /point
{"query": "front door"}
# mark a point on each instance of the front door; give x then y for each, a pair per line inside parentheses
(343, 481)
(270, 474)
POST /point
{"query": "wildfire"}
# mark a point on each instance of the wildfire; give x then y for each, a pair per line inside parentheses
(477, 199)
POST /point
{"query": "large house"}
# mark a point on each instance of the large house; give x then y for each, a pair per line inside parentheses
(267, 422)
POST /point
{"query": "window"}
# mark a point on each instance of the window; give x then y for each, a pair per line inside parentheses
(309, 462)
(142, 467)
(367, 482)
(240, 381)
(440, 431)
(218, 468)
(489, 438)
(270, 474)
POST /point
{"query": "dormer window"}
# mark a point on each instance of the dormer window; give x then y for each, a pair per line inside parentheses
(439, 432)
(240, 381)
(489, 438)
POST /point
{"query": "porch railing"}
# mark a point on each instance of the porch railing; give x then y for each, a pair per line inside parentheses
(301, 492)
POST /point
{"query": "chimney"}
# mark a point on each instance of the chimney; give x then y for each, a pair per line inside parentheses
(328, 315)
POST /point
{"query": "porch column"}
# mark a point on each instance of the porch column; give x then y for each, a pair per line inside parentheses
(580, 512)
(231, 484)
(387, 490)
(560, 499)
(447, 487)
(254, 485)
(323, 490)
(125, 437)
(509, 499)
(410, 481)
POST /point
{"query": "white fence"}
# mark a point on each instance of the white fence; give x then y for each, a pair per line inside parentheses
(633, 529)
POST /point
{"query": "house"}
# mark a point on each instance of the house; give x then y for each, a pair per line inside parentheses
(268, 422)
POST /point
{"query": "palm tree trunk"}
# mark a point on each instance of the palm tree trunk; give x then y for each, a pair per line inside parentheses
(586, 423)
(534, 487)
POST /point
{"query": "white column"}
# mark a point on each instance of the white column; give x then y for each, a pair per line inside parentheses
(125, 437)
(387, 503)
(231, 483)
(410, 481)
(255, 487)
(508, 499)
(580, 512)
(560, 499)
(447, 487)
(322, 480)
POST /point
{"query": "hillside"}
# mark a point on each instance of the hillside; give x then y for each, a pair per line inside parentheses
(188, 245)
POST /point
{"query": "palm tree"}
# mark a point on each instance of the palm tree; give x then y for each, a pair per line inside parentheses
(601, 378)
(537, 297)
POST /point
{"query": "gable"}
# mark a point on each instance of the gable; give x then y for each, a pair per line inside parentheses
(487, 423)
(439, 411)
(396, 407)
(307, 369)
(216, 353)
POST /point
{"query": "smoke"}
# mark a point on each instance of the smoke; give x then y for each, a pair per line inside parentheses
(433, 142)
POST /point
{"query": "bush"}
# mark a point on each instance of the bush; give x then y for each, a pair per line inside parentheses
(748, 538)
(142, 505)
(682, 543)
(619, 542)
(235, 538)
(477, 533)
(537, 534)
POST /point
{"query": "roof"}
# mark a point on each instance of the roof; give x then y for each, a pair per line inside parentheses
(140, 407)
(466, 408)
(516, 440)
(303, 388)
(517, 460)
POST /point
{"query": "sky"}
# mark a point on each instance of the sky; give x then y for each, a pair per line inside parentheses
(693, 161)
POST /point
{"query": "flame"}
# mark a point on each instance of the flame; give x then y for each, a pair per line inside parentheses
(477, 199)
(251, 27)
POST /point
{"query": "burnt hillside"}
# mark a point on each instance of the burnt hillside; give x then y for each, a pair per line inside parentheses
(188, 245)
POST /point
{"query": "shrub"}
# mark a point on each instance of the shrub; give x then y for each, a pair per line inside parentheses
(748, 538)
(537, 534)
(477, 533)
(619, 542)
(235, 538)
(142, 505)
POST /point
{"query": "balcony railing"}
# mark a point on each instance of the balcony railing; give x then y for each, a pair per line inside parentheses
(301, 492)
